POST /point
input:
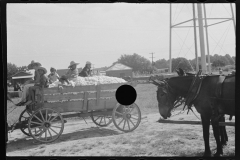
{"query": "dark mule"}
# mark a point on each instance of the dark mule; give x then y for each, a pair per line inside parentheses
(171, 89)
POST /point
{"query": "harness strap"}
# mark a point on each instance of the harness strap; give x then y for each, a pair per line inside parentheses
(191, 87)
(218, 94)
(198, 90)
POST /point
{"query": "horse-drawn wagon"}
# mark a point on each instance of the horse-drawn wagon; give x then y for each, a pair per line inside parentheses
(44, 120)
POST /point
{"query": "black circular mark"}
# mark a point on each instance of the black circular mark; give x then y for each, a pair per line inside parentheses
(126, 95)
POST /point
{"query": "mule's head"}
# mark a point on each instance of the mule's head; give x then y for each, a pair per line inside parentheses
(165, 98)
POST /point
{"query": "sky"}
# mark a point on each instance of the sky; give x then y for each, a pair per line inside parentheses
(56, 34)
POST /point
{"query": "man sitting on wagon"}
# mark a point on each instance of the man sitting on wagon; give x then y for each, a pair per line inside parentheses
(86, 72)
(43, 83)
(71, 74)
(53, 76)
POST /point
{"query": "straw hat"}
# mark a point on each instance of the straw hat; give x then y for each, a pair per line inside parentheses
(42, 68)
(88, 62)
(30, 66)
(72, 63)
(52, 69)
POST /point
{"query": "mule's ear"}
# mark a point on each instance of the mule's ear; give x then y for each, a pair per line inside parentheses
(182, 73)
(178, 72)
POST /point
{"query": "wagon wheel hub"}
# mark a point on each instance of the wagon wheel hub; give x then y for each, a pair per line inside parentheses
(47, 124)
(128, 116)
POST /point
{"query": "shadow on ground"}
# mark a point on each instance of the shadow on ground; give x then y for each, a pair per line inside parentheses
(80, 134)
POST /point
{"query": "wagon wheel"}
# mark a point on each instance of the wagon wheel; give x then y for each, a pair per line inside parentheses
(48, 123)
(101, 120)
(126, 118)
(23, 120)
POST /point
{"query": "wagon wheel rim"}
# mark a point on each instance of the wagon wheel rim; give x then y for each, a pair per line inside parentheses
(23, 118)
(45, 125)
(101, 120)
(126, 118)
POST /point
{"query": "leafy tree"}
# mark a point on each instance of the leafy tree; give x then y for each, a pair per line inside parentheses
(230, 59)
(22, 68)
(11, 69)
(135, 61)
(162, 63)
(218, 63)
(181, 63)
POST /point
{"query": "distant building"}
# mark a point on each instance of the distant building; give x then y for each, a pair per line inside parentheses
(162, 70)
(22, 77)
(119, 70)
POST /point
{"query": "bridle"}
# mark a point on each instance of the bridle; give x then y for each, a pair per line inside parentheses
(167, 89)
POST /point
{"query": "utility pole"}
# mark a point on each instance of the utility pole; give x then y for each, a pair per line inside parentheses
(195, 38)
(170, 41)
(152, 58)
(234, 25)
(205, 15)
(201, 36)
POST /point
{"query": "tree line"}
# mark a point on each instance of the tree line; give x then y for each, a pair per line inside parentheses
(141, 64)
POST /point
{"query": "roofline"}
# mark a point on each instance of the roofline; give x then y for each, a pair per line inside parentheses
(21, 77)
(20, 72)
(119, 70)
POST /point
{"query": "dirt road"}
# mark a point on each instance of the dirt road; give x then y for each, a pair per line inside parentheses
(149, 139)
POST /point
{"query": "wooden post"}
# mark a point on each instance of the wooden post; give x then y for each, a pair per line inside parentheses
(201, 36)
(209, 64)
(170, 41)
(195, 38)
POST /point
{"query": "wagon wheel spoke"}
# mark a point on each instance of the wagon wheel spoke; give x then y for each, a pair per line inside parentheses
(46, 116)
(38, 118)
(42, 115)
(119, 113)
(49, 133)
(40, 134)
(36, 123)
(105, 120)
(97, 118)
(54, 118)
(50, 116)
(135, 117)
(120, 122)
(53, 131)
(124, 124)
(101, 120)
(132, 109)
(132, 122)
(46, 134)
(128, 124)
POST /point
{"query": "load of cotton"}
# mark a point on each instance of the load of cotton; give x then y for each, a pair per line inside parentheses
(82, 81)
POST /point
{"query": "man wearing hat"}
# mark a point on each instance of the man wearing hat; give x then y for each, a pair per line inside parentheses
(71, 74)
(43, 83)
(86, 72)
(53, 76)
(27, 84)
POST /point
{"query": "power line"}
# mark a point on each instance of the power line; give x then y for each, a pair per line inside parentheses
(152, 57)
